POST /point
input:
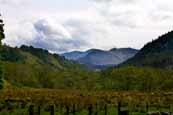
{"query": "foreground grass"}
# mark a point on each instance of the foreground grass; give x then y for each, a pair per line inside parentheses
(18, 101)
(50, 96)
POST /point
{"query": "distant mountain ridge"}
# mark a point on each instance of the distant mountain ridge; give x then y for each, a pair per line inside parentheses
(75, 55)
(158, 53)
(99, 59)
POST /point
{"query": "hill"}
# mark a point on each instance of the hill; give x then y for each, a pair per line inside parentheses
(158, 53)
(33, 56)
(101, 59)
(33, 67)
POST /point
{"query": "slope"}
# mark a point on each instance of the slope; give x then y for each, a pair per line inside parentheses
(158, 53)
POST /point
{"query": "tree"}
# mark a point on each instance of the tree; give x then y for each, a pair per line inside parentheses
(2, 36)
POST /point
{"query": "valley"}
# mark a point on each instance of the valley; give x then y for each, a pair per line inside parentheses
(119, 81)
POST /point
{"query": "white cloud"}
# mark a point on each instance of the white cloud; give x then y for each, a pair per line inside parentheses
(50, 28)
(137, 13)
(44, 33)
(11, 2)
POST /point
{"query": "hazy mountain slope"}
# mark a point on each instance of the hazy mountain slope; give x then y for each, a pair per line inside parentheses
(124, 53)
(99, 57)
(112, 57)
(158, 53)
(75, 55)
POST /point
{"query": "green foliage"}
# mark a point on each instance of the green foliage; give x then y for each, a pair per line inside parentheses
(43, 76)
(139, 78)
(11, 54)
(158, 53)
(120, 79)
(42, 54)
(2, 36)
(2, 82)
(34, 67)
(54, 60)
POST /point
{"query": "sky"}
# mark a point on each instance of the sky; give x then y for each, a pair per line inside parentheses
(67, 25)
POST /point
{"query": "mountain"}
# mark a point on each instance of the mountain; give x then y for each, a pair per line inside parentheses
(75, 55)
(158, 53)
(100, 59)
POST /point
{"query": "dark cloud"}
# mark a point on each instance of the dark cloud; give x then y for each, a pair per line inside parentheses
(57, 45)
(50, 28)
(55, 37)
(47, 34)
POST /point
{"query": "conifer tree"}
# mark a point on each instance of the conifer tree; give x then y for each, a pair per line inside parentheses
(2, 36)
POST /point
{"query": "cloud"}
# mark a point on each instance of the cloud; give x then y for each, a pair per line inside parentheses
(80, 25)
(45, 33)
(136, 13)
(12, 2)
(117, 1)
(101, 1)
(48, 28)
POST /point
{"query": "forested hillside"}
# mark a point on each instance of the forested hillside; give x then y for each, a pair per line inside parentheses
(29, 66)
(36, 56)
(158, 53)
(132, 78)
